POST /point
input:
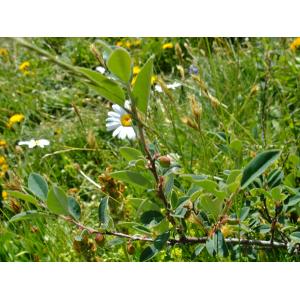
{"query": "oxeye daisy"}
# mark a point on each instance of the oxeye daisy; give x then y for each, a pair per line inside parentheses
(33, 143)
(120, 122)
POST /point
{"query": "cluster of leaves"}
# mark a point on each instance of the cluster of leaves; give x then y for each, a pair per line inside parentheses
(211, 211)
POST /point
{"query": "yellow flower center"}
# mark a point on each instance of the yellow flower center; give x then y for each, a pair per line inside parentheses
(126, 120)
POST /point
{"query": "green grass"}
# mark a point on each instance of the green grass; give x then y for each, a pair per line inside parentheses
(256, 81)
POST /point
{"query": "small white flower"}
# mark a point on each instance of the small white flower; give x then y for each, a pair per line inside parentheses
(171, 86)
(100, 69)
(120, 121)
(33, 143)
(174, 85)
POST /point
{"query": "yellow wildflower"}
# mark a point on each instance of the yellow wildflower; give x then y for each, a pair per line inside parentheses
(167, 46)
(119, 44)
(127, 44)
(153, 79)
(2, 160)
(17, 118)
(4, 168)
(136, 70)
(295, 45)
(24, 67)
(3, 52)
(137, 42)
(4, 195)
(3, 143)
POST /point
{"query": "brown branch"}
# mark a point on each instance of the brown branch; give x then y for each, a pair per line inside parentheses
(184, 240)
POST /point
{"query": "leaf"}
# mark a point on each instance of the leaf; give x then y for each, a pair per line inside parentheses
(104, 86)
(258, 165)
(142, 86)
(198, 249)
(132, 177)
(74, 208)
(103, 212)
(119, 63)
(107, 49)
(244, 213)
(151, 216)
(275, 178)
(130, 153)
(25, 197)
(148, 253)
(57, 201)
(38, 186)
(295, 236)
(141, 228)
(219, 244)
(161, 240)
(294, 200)
(210, 247)
(169, 185)
(210, 205)
(29, 214)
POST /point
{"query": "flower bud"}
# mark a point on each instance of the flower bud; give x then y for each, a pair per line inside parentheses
(130, 249)
(100, 239)
(164, 161)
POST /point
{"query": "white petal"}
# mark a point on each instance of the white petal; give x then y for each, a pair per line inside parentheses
(118, 109)
(100, 70)
(174, 85)
(111, 126)
(32, 144)
(21, 143)
(158, 88)
(113, 119)
(122, 134)
(42, 143)
(127, 104)
(131, 133)
(116, 132)
(113, 114)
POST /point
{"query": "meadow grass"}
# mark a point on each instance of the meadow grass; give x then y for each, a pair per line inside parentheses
(254, 83)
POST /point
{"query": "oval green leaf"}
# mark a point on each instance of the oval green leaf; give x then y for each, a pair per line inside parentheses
(119, 63)
(148, 253)
(105, 87)
(258, 165)
(142, 86)
(38, 186)
(103, 212)
(132, 177)
(130, 153)
(74, 208)
(25, 215)
(57, 201)
(151, 216)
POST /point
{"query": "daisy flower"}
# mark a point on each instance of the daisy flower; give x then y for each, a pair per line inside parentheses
(120, 122)
(100, 69)
(33, 143)
(171, 86)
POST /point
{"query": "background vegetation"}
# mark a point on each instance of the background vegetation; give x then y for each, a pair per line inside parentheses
(237, 98)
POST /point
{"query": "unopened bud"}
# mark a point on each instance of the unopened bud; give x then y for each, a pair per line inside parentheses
(164, 161)
(130, 249)
(99, 239)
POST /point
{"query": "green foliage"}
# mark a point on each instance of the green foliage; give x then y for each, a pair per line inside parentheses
(105, 87)
(258, 165)
(207, 203)
(38, 186)
(141, 89)
(119, 63)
